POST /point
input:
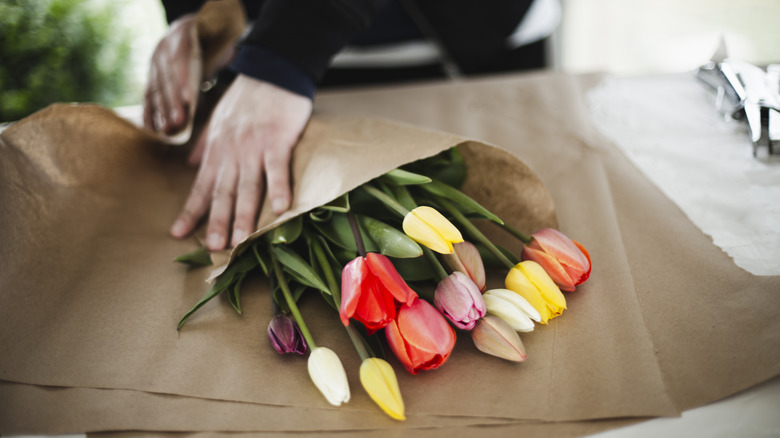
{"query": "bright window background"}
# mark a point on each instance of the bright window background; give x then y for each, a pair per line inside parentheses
(631, 37)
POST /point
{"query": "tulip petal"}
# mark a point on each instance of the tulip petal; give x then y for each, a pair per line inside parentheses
(379, 381)
(518, 301)
(328, 375)
(353, 276)
(549, 290)
(557, 272)
(512, 308)
(562, 248)
(418, 230)
(382, 268)
(518, 282)
(466, 259)
(376, 307)
(438, 222)
(492, 335)
(420, 337)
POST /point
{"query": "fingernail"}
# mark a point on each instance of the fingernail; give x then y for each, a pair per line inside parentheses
(279, 205)
(214, 241)
(179, 228)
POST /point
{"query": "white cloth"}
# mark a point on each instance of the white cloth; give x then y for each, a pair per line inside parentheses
(669, 127)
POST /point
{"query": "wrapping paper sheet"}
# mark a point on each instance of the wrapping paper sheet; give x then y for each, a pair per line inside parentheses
(666, 323)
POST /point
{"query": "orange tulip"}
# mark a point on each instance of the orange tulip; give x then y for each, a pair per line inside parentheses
(565, 261)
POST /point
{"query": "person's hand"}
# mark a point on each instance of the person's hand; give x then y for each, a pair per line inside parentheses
(247, 142)
(169, 92)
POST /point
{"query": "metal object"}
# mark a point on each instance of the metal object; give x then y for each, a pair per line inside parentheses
(746, 92)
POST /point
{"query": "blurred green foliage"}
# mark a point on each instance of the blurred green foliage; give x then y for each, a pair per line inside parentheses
(60, 51)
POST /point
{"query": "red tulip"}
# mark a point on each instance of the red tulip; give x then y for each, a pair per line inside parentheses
(566, 261)
(370, 288)
(420, 337)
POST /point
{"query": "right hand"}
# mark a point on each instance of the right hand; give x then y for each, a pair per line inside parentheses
(168, 95)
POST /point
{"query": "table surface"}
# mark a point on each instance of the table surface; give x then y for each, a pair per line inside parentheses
(686, 159)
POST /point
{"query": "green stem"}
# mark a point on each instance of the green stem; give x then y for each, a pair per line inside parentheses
(440, 271)
(357, 341)
(525, 238)
(386, 199)
(356, 233)
(474, 232)
(335, 292)
(291, 304)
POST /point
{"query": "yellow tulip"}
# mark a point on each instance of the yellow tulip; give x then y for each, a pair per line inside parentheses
(428, 227)
(379, 381)
(530, 280)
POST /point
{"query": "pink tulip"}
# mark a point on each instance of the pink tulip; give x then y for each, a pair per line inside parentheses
(459, 299)
(466, 259)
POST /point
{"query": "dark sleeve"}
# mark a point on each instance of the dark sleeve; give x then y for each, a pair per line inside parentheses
(175, 9)
(293, 41)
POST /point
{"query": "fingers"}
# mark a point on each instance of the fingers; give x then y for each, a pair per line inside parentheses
(222, 200)
(168, 96)
(196, 206)
(250, 189)
(277, 168)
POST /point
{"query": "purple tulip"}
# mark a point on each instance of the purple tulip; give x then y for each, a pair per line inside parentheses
(285, 335)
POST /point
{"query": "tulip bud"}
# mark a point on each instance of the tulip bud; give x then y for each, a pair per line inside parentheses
(285, 335)
(566, 261)
(492, 335)
(530, 280)
(428, 227)
(379, 381)
(328, 375)
(512, 308)
(466, 259)
(459, 299)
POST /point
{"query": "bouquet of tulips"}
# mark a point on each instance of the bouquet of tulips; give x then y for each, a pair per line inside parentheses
(402, 262)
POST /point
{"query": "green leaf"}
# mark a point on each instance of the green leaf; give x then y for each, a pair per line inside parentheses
(340, 204)
(414, 269)
(239, 266)
(389, 240)
(338, 231)
(448, 167)
(404, 178)
(287, 232)
(261, 257)
(296, 290)
(462, 200)
(297, 267)
(198, 257)
(320, 215)
(234, 292)
(402, 195)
